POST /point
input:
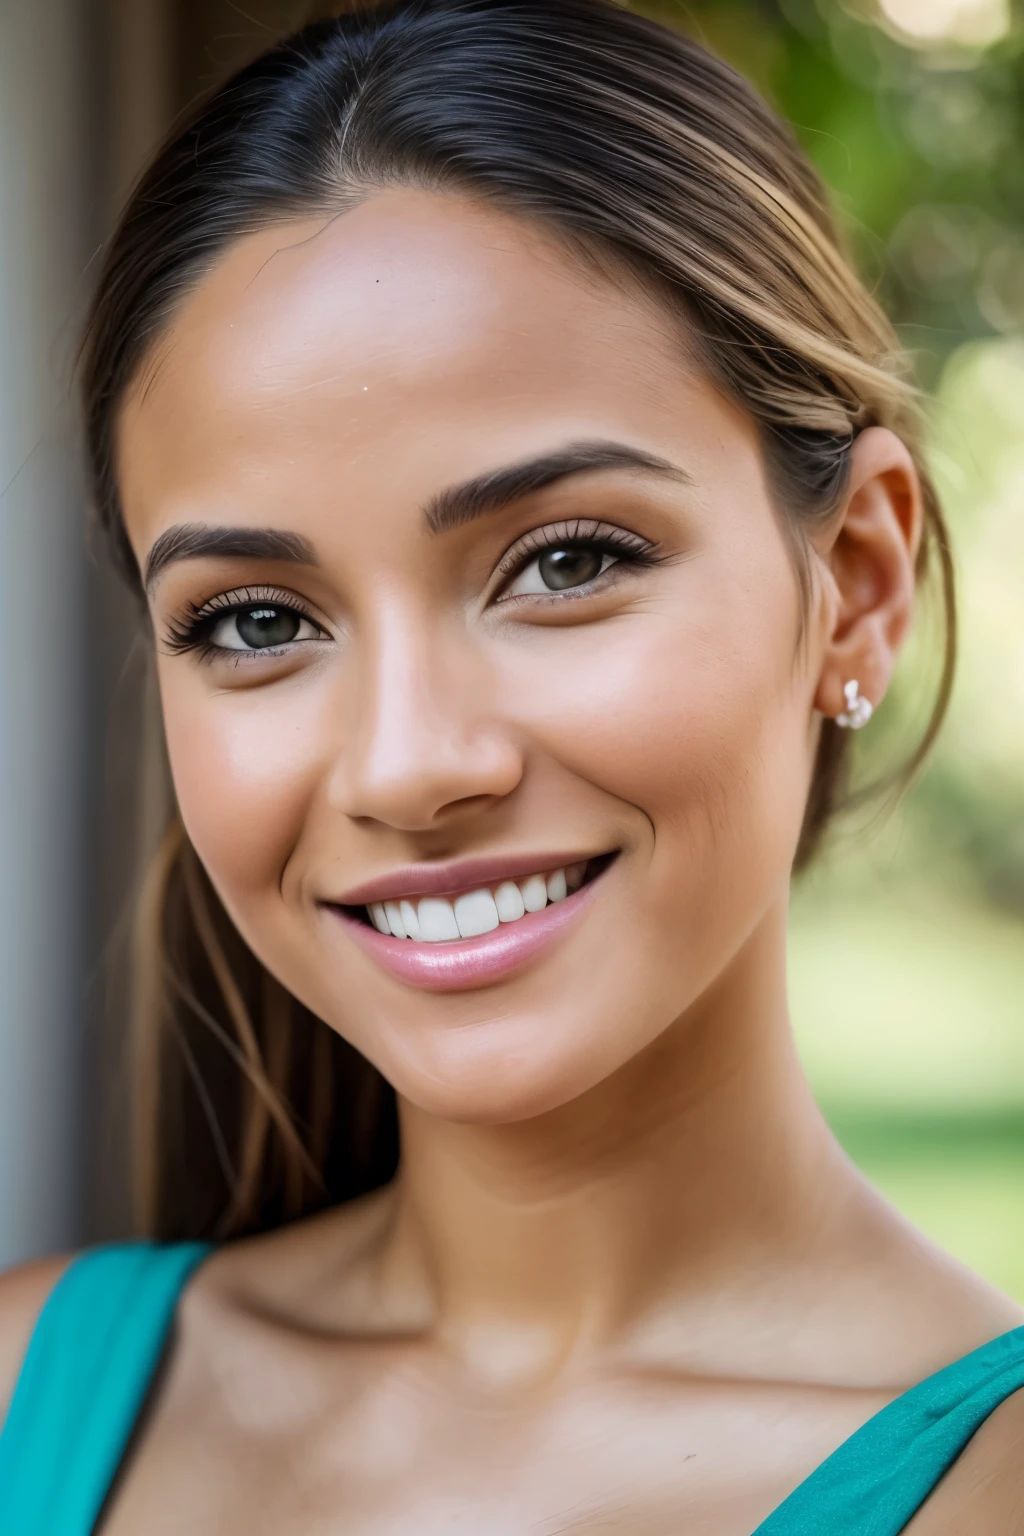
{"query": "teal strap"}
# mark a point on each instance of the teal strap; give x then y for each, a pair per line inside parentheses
(89, 1363)
(878, 1479)
(100, 1336)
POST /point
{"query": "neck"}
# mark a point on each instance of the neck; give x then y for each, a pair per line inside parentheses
(701, 1162)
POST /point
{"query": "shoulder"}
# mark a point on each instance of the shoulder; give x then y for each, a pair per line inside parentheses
(984, 1488)
(22, 1294)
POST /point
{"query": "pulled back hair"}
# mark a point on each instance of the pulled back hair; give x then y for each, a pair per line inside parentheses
(639, 149)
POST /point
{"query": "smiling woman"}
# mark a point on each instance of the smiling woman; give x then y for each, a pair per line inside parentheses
(527, 501)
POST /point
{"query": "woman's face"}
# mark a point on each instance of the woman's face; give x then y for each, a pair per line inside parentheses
(461, 575)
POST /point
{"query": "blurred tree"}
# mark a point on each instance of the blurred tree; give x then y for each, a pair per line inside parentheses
(913, 110)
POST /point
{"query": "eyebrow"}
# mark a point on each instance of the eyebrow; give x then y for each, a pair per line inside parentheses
(194, 541)
(500, 487)
(451, 508)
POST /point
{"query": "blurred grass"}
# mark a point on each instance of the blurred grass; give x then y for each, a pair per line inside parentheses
(909, 1011)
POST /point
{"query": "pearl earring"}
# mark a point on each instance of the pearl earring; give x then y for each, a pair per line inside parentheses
(858, 709)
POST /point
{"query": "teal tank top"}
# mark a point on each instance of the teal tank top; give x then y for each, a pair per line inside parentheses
(101, 1334)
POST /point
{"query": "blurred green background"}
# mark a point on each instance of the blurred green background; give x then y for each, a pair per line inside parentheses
(908, 938)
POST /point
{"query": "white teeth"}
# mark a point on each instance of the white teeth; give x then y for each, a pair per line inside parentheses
(535, 893)
(476, 914)
(410, 918)
(435, 920)
(508, 899)
(394, 916)
(574, 875)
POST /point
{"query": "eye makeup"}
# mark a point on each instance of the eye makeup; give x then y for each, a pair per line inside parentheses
(266, 620)
(568, 559)
(583, 548)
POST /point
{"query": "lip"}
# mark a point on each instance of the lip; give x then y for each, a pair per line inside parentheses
(463, 964)
(454, 878)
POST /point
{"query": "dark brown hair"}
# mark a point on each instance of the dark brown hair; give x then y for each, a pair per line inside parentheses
(633, 144)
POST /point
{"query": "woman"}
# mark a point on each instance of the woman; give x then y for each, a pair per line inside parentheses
(528, 503)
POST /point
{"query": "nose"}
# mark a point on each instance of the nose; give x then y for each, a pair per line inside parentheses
(427, 743)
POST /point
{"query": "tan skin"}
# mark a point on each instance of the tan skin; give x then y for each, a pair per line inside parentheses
(626, 1280)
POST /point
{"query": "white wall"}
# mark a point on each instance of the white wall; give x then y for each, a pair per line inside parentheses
(46, 240)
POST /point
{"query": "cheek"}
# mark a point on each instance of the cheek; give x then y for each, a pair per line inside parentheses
(245, 765)
(694, 712)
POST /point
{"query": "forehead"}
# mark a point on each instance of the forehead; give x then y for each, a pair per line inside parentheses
(404, 331)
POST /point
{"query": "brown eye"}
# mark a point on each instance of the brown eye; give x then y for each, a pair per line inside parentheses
(561, 568)
(261, 627)
(569, 567)
(267, 626)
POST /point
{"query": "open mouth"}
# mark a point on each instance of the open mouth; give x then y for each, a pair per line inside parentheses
(472, 913)
(473, 937)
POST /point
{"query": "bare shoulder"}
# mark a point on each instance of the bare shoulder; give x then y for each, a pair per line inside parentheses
(984, 1489)
(22, 1294)
(938, 1309)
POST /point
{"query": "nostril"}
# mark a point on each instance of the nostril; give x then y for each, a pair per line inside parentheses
(414, 770)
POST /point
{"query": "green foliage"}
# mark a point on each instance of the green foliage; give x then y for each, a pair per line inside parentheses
(920, 145)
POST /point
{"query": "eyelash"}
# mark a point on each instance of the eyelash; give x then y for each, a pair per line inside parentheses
(586, 533)
(190, 631)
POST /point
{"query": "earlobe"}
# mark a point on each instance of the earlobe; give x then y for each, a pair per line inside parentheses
(872, 563)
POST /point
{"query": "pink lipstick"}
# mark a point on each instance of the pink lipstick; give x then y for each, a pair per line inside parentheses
(438, 929)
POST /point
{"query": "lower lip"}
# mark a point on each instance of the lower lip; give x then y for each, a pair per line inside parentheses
(462, 964)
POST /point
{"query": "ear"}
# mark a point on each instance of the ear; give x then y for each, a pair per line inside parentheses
(871, 565)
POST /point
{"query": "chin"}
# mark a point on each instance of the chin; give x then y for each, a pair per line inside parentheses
(473, 1100)
(500, 1071)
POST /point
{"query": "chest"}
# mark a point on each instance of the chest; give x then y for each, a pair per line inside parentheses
(404, 1452)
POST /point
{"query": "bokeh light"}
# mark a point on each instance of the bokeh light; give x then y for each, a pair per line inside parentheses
(972, 23)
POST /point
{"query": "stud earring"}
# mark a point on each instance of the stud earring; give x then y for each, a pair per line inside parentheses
(858, 709)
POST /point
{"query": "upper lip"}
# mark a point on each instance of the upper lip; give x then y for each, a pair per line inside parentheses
(449, 879)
